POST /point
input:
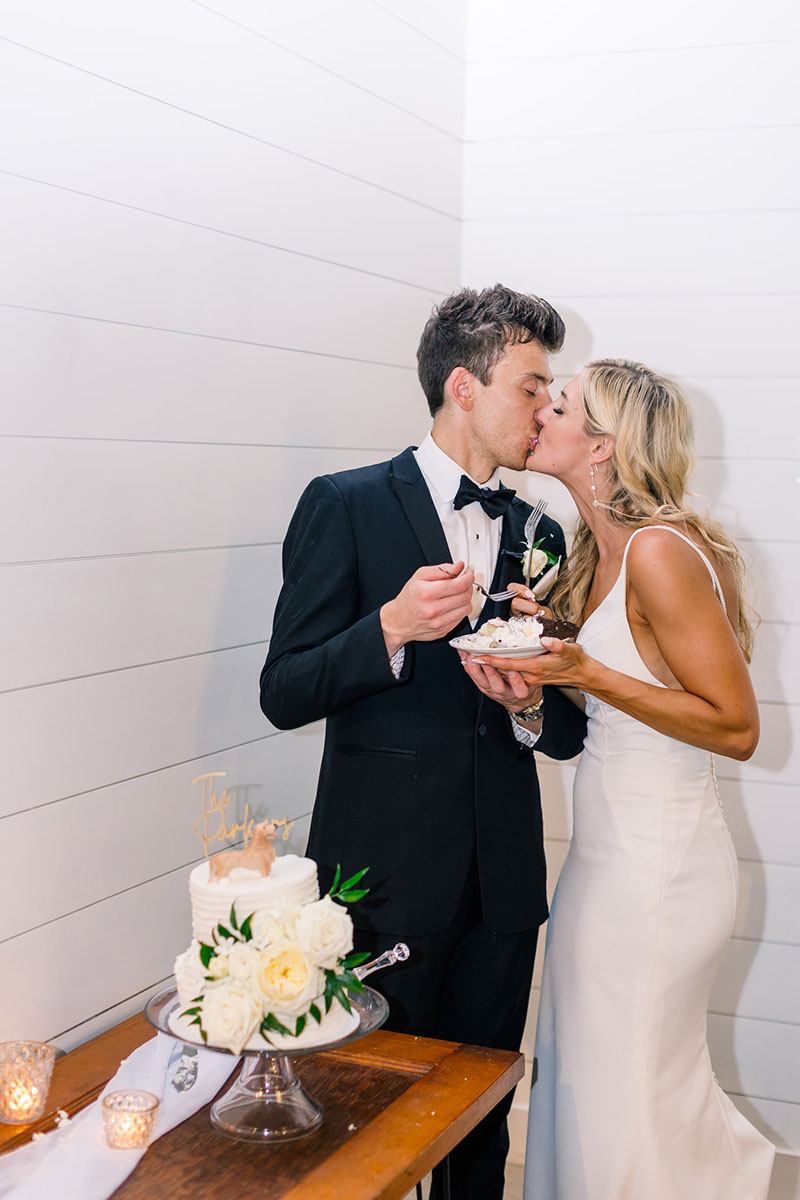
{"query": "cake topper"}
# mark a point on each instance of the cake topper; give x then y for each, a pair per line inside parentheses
(257, 855)
(212, 825)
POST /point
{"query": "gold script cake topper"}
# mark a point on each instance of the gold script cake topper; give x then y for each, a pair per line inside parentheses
(212, 824)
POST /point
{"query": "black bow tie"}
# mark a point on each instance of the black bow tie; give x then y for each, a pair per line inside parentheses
(494, 502)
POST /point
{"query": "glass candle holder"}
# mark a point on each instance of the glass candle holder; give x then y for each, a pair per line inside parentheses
(129, 1118)
(25, 1070)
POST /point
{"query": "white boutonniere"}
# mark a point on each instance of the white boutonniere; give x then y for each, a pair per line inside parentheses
(535, 560)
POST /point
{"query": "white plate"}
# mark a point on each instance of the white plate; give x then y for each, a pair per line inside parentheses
(463, 643)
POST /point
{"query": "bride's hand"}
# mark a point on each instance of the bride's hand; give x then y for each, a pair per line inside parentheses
(525, 604)
(565, 664)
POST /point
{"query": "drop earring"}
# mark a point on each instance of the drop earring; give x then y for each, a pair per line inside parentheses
(593, 473)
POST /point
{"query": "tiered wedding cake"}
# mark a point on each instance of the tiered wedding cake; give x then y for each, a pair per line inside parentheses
(268, 962)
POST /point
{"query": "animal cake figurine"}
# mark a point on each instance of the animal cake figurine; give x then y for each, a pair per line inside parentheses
(258, 855)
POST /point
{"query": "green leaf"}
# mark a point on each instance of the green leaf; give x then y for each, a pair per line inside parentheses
(354, 879)
(206, 954)
(348, 980)
(341, 996)
(223, 932)
(355, 959)
(351, 897)
(301, 1024)
(233, 917)
(191, 1012)
(271, 1022)
(246, 930)
(337, 876)
(328, 1001)
(315, 1013)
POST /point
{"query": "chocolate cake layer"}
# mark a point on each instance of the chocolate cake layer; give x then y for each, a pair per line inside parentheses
(555, 627)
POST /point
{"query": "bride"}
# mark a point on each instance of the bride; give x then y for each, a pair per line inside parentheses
(625, 1105)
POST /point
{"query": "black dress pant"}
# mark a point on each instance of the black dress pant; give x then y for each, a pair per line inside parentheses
(464, 985)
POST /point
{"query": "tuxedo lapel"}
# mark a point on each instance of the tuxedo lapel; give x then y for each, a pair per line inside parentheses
(415, 499)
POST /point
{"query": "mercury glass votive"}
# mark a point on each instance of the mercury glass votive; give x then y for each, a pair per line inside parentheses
(25, 1070)
(129, 1118)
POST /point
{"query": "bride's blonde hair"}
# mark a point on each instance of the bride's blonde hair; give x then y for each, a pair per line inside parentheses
(651, 423)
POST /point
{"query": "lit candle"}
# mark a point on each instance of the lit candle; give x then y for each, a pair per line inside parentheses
(129, 1118)
(25, 1069)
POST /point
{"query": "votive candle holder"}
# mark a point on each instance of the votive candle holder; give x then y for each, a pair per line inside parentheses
(129, 1119)
(25, 1070)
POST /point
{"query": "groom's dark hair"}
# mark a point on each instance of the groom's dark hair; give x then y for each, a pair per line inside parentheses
(472, 329)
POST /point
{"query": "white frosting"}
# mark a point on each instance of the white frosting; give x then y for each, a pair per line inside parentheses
(335, 1024)
(291, 880)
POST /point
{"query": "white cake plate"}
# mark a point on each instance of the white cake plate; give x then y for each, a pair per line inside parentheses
(266, 1102)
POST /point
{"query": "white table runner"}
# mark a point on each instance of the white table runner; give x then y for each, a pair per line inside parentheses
(74, 1160)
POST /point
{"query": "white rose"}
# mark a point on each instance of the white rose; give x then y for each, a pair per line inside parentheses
(533, 561)
(218, 967)
(189, 975)
(266, 928)
(243, 964)
(288, 979)
(325, 932)
(231, 1013)
(288, 917)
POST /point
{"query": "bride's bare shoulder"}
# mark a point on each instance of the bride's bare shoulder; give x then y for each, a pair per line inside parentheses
(657, 559)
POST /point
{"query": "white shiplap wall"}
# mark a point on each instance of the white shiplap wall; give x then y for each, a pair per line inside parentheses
(223, 226)
(638, 166)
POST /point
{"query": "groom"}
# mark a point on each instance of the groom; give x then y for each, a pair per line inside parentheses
(423, 779)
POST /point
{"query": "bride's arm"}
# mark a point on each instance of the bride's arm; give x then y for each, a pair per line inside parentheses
(710, 700)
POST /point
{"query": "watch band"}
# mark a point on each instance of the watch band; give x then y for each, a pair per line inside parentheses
(531, 712)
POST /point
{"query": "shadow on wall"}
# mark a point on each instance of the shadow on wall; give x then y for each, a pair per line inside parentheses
(785, 1182)
(773, 753)
(577, 344)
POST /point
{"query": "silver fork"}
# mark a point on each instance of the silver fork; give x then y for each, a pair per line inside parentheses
(528, 533)
(494, 595)
(531, 526)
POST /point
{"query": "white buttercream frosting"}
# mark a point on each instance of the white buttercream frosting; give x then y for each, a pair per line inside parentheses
(292, 880)
(335, 1024)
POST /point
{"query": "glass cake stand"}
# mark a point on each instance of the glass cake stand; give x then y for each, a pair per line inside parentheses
(266, 1103)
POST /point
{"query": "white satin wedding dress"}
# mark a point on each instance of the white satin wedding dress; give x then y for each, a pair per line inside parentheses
(626, 1105)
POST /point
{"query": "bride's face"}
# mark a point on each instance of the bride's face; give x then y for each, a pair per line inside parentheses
(563, 448)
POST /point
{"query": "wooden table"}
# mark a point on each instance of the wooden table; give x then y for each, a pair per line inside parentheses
(394, 1107)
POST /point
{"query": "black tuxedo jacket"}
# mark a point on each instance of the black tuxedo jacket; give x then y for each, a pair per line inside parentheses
(418, 774)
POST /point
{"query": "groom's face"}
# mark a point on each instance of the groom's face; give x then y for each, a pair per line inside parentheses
(503, 419)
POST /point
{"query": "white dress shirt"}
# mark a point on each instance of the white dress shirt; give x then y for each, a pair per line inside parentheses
(472, 536)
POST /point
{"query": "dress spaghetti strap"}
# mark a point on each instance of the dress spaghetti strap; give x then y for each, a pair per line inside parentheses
(689, 542)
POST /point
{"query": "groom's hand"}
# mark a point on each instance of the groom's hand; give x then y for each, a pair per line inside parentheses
(508, 688)
(433, 602)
